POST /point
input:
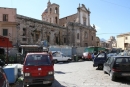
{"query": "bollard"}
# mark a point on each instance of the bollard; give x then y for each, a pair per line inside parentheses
(76, 58)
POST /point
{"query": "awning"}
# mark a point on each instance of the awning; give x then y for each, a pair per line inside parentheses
(4, 42)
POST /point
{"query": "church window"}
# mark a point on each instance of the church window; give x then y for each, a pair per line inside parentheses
(37, 37)
(56, 19)
(56, 40)
(84, 21)
(92, 37)
(86, 35)
(78, 36)
(86, 44)
(50, 20)
(50, 10)
(56, 10)
(48, 38)
(64, 40)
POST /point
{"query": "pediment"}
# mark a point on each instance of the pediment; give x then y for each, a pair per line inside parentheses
(84, 8)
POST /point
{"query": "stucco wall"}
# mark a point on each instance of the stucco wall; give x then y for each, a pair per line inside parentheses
(11, 14)
(71, 18)
(10, 25)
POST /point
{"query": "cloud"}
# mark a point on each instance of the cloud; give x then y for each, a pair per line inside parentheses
(97, 27)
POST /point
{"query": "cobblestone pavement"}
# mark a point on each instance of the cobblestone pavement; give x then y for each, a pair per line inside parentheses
(83, 74)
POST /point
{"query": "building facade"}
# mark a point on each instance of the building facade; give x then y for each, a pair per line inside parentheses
(112, 42)
(8, 24)
(73, 30)
(79, 30)
(123, 41)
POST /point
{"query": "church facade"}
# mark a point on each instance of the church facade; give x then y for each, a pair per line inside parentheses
(73, 30)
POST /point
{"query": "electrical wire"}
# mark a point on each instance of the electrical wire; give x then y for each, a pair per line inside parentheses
(107, 33)
(116, 4)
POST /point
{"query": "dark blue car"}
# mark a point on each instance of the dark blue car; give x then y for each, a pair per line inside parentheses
(99, 60)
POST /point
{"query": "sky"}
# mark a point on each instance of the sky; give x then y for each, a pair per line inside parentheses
(111, 17)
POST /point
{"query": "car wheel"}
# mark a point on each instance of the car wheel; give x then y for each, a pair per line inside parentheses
(24, 85)
(113, 78)
(100, 67)
(104, 71)
(68, 60)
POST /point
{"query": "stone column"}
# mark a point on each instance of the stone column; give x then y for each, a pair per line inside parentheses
(89, 19)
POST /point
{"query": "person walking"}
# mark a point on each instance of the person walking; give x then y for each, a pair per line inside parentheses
(89, 56)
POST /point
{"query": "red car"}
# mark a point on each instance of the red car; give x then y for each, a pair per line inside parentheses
(3, 79)
(38, 69)
(87, 56)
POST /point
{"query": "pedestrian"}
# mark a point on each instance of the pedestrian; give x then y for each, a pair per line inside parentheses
(89, 56)
(92, 55)
(50, 54)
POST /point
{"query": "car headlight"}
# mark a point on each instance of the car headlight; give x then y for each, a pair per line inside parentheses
(27, 74)
(50, 72)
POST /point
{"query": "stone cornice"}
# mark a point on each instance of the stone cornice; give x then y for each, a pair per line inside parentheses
(38, 21)
(81, 25)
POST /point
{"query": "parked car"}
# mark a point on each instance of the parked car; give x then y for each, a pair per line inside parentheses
(111, 54)
(60, 57)
(2, 63)
(117, 66)
(99, 60)
(87, 56)
(3, 79)
(38, 69)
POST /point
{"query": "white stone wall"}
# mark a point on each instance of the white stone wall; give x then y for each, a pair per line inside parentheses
(120, 42)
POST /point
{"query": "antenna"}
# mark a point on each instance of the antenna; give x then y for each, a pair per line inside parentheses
(11, 3)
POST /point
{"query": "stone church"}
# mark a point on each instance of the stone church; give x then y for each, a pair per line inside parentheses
(72, 30)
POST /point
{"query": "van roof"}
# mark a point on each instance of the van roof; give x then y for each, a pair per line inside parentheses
(37, 53)
(121, 56)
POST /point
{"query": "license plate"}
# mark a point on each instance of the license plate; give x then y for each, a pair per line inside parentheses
(125, 74)
(46, 82)
(39, 69)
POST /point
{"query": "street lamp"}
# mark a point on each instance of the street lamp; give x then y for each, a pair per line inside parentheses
(18, 27)
(73, 39)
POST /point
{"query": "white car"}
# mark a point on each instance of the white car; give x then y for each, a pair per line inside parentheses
(111, 54)
(60, 57)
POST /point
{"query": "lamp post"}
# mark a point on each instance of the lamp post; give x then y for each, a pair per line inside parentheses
(73, 39)
(59, 38)
(18, 27)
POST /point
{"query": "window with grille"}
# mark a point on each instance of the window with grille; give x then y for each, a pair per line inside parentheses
(64, 40)
(92, 37)
(24, 31)
(24, 39)
(5, 17)
(5, 32)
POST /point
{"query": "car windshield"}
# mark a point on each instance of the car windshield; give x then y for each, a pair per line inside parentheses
(111, 54)
(123, 60)
(101, 55)
(38, 59)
